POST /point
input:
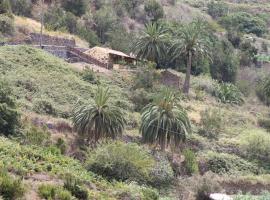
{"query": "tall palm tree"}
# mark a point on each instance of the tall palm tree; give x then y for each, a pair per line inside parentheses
(151, 44)
(99, 119)
(191, 41)
(164, 122)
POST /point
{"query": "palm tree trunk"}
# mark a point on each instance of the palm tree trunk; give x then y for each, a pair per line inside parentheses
(188, 72)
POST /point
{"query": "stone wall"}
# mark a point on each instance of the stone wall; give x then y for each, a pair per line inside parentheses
(58, 51)
(170, 79)
(51, 40)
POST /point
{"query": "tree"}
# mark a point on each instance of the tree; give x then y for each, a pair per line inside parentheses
(225, 63)
(9, 117)
(154, 10)
(99, 119)
(151, 44)
(104, 21)
(77, 7)
(164, 122)
(191, 41)
(245, 23)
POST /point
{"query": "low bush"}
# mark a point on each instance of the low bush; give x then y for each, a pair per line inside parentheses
(256, 144)
(9, 118)
(191, 164)
(204, 83)
(10, 188)
(53, 192)
(222, 163)
(205, 186)
(121, 161)
(212, 123)
(140, 98)
(90, 76)
(145, 78)
(228, 93)
(264, 123)
(36, 136)
(162, 173)
(44, 107)
(261, 91)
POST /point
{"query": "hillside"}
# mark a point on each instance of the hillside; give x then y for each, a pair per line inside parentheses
(178, 109)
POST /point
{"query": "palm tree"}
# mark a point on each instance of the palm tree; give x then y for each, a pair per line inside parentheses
(164, 122)
(192, 41)
(151, 43)
(99, 119)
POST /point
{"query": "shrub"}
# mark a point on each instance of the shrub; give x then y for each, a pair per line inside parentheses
(140, 98)
(205, 83)
(6, 25)
(191, 164)
(9, 118)
(245, 87)
(228, 93)
(162, 173)
(205, 186)
(221, 163)
(36, 136)
(145, 78)
(10, 188)
(264, 196)
(89, 75)
(256, 144)
(75, 187)
(121, 161)
(212, 123)
(44, 107)
(217, 9)
(261, 90)
(264, 123)
(52, 192)
(61, 144)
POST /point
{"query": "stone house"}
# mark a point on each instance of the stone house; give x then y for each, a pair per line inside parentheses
(110, 57)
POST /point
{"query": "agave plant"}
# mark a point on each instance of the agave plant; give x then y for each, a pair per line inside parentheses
(99, 119)
(164, 122)
(228, 93)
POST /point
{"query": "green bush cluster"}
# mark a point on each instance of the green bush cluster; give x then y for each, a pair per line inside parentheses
(245, 22)
(228, 93)
(53, 192)
(264, 196)
(121, 161)
(221, 163)
(10, 188)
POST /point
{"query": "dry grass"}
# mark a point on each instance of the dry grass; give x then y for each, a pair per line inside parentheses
(34, 26)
